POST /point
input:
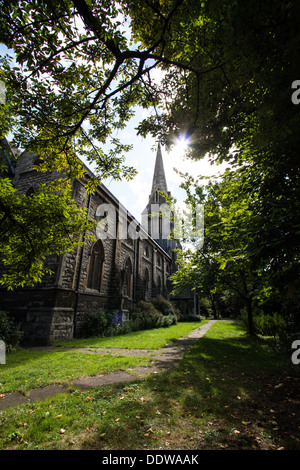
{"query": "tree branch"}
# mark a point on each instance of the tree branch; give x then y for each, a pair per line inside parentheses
(56, 53)
(93, 23)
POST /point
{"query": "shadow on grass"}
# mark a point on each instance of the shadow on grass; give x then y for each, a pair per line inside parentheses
(231, 393)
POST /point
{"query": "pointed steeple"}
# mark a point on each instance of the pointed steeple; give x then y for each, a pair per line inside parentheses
(159, 178)
(151, 221)
(156, 219)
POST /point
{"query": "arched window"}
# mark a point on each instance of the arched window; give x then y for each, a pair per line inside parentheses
(96, 267)
(128, 279)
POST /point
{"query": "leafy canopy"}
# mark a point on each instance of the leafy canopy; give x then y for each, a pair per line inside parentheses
(83, 66)
(32, 227)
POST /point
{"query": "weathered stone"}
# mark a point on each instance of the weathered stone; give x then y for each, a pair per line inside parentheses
(131, 270)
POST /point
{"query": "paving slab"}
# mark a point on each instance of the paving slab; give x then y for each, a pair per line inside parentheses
(36, 394)
(86, 383)
(12, 399)
(39, 394)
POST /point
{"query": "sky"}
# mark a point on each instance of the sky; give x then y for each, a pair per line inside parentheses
(134, 194)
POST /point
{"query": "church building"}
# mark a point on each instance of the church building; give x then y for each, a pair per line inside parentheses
(111, 273)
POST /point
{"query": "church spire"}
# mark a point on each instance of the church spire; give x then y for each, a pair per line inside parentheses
(152, 221)
(159, 178)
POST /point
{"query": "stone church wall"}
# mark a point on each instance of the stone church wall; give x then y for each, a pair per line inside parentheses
(54, 309)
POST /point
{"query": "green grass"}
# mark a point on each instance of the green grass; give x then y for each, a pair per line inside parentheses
(146, 339)
(229, 391)
(30, 368)
(27, 369)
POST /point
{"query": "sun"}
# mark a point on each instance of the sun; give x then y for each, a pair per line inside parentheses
(181, 145)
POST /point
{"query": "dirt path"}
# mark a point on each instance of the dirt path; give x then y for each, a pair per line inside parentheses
(163, 359)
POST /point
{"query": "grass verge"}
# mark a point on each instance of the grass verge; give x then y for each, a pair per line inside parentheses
(229, 391)
(33, 368)
(146, 339)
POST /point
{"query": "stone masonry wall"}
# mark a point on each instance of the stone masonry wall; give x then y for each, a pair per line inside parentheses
(54, 309)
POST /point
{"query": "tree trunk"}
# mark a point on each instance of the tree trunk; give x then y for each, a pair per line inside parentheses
(250, 317)
(213, 305)
(248, 300)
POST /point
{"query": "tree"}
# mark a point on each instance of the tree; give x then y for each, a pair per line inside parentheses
(234, 103)
(82, 67)
(237, 257)
(234, 100)
(224, 263)
(74, 84)
(240, 63)
(76, 79)
(34, 227)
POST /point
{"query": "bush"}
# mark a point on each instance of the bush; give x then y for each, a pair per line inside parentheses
(166, 308)
(9, 332)
(94, 324)
(165, 321)
(269, 325)
(144, 316)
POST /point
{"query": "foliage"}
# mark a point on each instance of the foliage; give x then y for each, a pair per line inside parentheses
(32, 228)
(103, 323)
(237, 260)
(228, 70)
(10, 333)
(143, 315)
(269, 325)
(235, 89)
(233, 101)
(167, 320)
(147, 315)
(165, 306)
(64, 61)
(82, 67)
(94, 323)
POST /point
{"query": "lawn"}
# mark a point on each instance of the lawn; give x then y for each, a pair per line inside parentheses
(229, 391)
(32, 368)
(28, 369)
(146, 339)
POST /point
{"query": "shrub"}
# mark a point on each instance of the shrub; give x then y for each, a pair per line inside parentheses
(94, 324)
(9, 332)
(165, 307)
(178, 312)
(144, 315)
(165, 321)
(269, 325)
